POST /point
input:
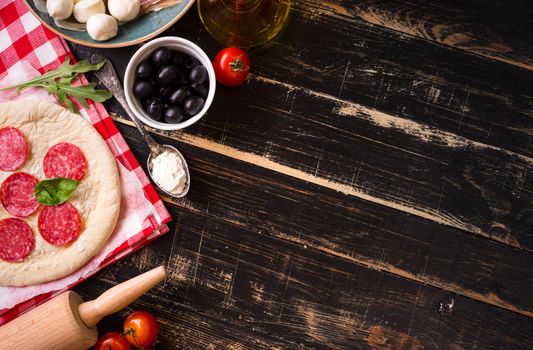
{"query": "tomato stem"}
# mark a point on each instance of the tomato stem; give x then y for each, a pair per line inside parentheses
(237, 65)
(131, 331)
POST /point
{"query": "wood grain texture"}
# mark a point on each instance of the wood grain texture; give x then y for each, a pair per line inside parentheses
(438, 176)
(479, 99)
(473, 97)
(233, 288)
(421, 109)
(371, 169)
(277, 205)
(498, 31)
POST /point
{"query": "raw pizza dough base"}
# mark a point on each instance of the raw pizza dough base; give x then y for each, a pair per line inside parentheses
(97, 197)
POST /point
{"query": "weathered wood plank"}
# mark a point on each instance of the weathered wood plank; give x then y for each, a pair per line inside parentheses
(438, 173)
(286, 295)
(367, 124)
(359, 231)
(367, 154)
(476, 98)
(479, 99)
(182, 326)
(498, 29)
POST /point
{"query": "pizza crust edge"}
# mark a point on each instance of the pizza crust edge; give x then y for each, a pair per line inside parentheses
(97, 198)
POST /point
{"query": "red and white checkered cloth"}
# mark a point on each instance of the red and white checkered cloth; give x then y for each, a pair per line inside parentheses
(28, 49)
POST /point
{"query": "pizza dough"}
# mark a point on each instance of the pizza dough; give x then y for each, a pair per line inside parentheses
(49, 129)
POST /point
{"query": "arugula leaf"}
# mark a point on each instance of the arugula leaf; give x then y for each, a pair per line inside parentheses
(57, 82)
(81, 93)
(55, 191)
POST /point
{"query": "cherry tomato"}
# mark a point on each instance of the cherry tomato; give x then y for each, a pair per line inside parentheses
(232, 66)
(112, 341)
(141, 329)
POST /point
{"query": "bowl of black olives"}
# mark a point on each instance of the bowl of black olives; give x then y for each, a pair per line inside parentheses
(169, 83)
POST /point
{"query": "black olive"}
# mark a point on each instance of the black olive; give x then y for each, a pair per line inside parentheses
(181, 78)
(165, 91)
(198, 75)
(191, 62)
(200, 90)
(178, 96)
(173, 115)
(145, 70)
(166, 75)
(178, 58)
(154, 108)
(193, 105)
(161, 56)
(142, 89)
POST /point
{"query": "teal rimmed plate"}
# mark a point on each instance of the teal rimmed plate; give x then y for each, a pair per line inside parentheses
(136, 31)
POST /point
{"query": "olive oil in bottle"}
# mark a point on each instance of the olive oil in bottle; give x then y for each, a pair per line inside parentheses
(243, 23)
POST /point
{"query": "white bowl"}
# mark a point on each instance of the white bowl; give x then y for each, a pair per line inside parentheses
(172, 43)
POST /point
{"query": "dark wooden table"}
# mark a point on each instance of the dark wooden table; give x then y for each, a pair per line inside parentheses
(375, 169)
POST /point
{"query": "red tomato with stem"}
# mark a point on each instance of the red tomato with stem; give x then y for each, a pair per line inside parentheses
(112, 341)
(141, 329)
(232, 66)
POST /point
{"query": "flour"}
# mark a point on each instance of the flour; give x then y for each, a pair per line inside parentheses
(168, 172)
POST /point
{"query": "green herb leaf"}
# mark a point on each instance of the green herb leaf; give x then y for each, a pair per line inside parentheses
(55, 191)
(57, 82)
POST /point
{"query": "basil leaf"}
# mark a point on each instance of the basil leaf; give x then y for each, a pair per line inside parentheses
(55, 191)
(68, 186)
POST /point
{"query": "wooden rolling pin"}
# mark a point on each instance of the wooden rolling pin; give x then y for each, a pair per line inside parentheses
(67, 322)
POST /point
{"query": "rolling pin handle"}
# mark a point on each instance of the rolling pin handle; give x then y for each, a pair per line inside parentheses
(120, 296)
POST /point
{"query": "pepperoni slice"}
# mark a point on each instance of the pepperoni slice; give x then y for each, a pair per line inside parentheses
(65, 160)
(16, 240)
(16, 194)
(60, 225)
(13, 148)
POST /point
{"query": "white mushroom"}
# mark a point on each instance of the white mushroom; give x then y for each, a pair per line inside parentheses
(124, 10)
(60, 9)
(85, 9)
(102, 26)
